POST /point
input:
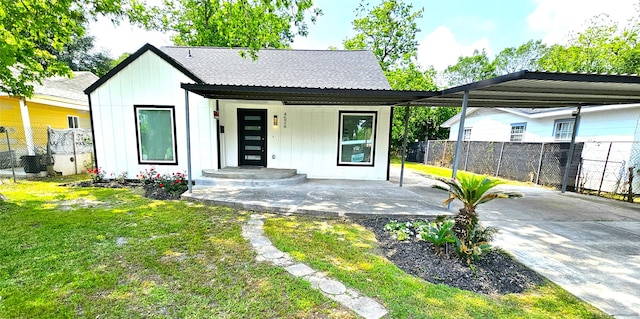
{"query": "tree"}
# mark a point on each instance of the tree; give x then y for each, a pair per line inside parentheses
(389, 30)
(252, 24)
(29, 27)
(604, 47)
(524, 57)
(79, 56)
(470, 69)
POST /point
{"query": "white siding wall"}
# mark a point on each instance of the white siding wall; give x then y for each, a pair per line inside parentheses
(495, 125)
(306, 139)
(149, 80)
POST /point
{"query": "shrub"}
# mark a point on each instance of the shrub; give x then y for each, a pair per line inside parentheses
(174, 184)
(438, 233)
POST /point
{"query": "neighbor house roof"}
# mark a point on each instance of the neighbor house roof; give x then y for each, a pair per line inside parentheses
(336, 69)
(66, 88)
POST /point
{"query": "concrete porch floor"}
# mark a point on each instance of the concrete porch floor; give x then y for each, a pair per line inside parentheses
(324, 197)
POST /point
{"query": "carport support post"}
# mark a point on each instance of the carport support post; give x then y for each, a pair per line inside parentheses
(186, 107)
(572, 146)
(463, 116)
(404, 143)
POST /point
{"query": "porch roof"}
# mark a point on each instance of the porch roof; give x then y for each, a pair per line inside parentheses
(307, 96)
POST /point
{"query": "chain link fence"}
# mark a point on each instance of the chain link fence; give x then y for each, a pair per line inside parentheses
(44, 151)
(540, 163)
(606, 167)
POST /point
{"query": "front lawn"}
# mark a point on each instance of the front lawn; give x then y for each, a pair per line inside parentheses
(111, 253)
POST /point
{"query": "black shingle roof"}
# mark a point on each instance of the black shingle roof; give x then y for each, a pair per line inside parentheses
(282, 68)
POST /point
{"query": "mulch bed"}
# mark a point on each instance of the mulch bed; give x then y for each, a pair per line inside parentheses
(496, 273)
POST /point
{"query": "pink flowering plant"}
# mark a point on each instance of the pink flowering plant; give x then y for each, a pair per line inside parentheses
(96, 174)
(174, 183)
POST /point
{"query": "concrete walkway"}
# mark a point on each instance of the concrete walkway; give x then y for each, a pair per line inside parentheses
(335, 290)
(588, 245)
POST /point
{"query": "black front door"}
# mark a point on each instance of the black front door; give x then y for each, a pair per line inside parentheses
(252, 137)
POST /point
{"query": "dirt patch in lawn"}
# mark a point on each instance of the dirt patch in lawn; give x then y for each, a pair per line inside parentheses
(496, 273)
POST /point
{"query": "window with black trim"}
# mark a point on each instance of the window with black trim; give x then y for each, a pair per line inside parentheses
(357, 138)
(156, 134)
(517, 132)
(563, 129)
(73, 121)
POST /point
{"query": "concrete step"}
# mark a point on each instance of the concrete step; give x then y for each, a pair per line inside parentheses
(205, 181)
(254, 173)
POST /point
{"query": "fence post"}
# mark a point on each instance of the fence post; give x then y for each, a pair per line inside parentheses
(604, 171)
(11, 163)
(75, 157)
(466, 157)
(426, 153)
(540, 164)
(500, 160)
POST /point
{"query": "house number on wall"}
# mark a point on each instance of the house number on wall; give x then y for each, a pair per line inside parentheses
(284, 120)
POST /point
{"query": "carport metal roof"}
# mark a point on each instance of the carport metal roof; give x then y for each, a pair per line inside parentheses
(529, 89)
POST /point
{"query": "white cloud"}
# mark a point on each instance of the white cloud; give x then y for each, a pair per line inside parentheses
(555, 19)
(124, 37)
(440, 48)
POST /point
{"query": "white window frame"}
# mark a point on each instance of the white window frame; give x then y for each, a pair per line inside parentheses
(344, 140)
(517, 136)
(172, 128)
(563, 129)
(466, 134)
(73, 121)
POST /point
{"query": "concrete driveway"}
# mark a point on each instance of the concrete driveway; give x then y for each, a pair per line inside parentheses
(588, 245)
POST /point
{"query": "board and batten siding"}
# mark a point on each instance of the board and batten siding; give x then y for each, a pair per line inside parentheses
(495, 125)
(306, 139)
(149, 80)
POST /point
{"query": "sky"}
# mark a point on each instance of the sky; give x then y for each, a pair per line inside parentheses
(449, 28)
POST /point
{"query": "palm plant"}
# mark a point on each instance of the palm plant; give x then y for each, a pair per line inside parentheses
(471, 190)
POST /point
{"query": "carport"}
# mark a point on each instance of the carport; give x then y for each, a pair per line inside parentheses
(533, 89)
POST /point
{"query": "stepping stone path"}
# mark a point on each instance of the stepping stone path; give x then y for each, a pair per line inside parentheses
(363, 306)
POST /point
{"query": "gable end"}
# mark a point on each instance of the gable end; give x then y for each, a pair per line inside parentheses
(133, 57)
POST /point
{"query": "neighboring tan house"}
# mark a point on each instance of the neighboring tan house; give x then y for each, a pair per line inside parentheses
(59, 103)
(326, 114)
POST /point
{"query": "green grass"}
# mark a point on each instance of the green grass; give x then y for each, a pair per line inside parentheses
(436, 171)
(62, 255)
(350, 253)
(110, 253)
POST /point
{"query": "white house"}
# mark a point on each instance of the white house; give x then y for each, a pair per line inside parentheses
(609, 132)
(597, 123)
(326, 114)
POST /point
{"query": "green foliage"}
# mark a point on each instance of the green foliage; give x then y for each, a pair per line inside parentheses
(477, 245)
(524, 57)
(176, 183)
(471, 190)
(225, 23)
(79, 55)
(96, 174)
(33, 31)
(438, 233)
(389, 30)
(470, 69)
